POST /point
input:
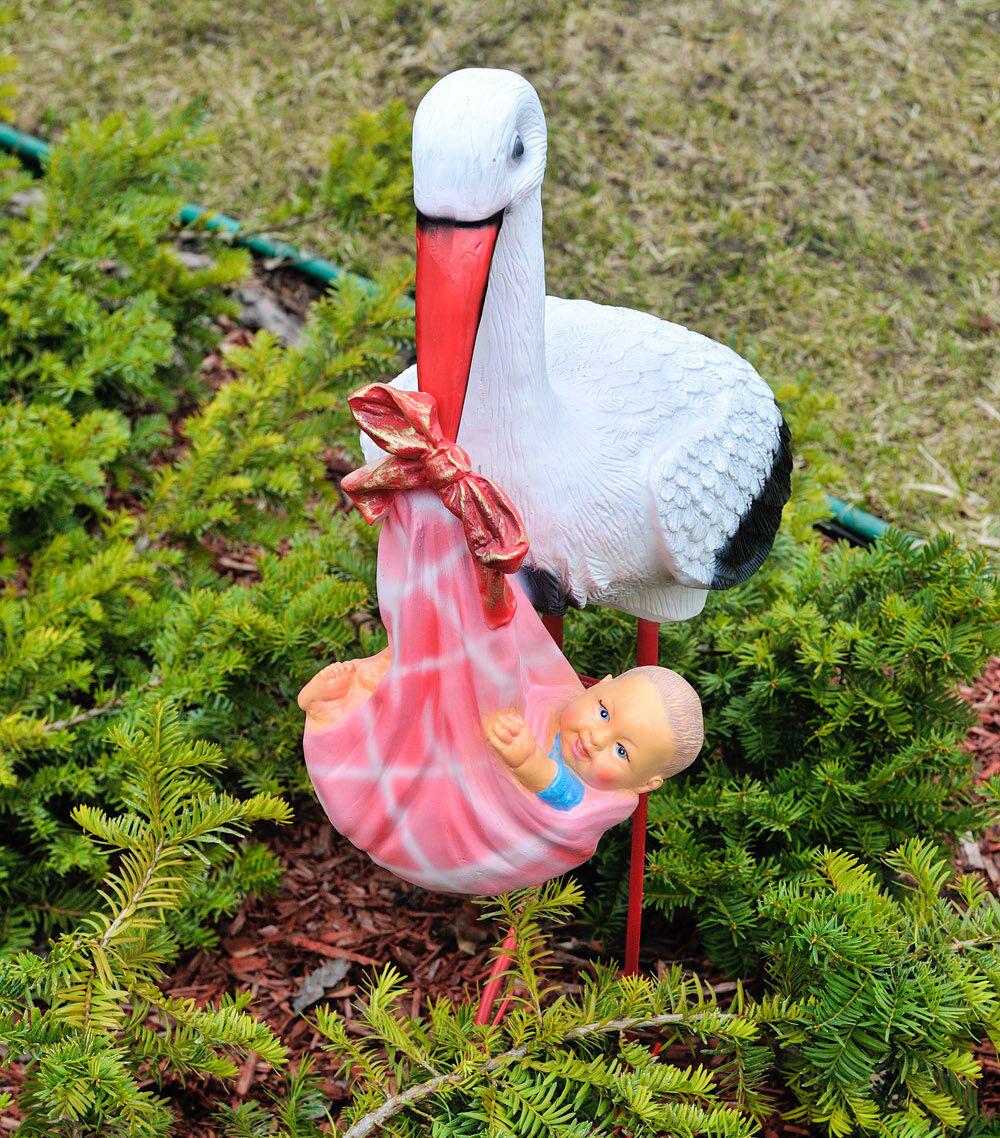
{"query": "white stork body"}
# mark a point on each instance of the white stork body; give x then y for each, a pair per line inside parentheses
(649, 463)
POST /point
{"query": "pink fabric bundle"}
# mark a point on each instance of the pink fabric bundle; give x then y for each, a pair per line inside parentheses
(408, 776)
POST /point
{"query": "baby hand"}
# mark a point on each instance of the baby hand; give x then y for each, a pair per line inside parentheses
(510, 737)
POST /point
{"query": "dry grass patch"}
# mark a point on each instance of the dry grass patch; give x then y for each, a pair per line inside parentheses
(811, 183)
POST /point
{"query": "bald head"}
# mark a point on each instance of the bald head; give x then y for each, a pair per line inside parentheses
(682, 706)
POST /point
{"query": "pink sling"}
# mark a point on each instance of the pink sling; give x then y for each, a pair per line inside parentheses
(408, 776)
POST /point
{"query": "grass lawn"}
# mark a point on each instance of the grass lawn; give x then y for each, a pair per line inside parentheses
(813, 183)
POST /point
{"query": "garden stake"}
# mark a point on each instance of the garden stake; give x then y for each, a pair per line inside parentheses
(492, 989)
(647, 651)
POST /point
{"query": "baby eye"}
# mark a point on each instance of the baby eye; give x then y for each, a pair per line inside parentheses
(603, 713)
(621, 752)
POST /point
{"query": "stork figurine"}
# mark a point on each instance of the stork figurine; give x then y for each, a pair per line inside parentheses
(649, 463)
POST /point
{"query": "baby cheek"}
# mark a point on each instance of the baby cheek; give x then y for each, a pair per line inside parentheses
(569, 720)
(605, 776)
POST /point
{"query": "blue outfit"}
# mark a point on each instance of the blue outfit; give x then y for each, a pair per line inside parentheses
(565, 790)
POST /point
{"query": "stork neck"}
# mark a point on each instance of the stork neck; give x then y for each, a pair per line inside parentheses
(508, 379)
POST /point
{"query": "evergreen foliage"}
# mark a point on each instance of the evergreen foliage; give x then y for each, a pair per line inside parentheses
(99, 309)
(101, 324)
(297, 1113)
(555, 1065)
(112, 591)
(892, 988)
(831, 720)
(873, 1002)
(89, 1013)
(363, 198)
(367, 184)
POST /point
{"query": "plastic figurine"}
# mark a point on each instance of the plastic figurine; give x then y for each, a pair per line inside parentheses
(625, 733)
(396, 744)
(553, 453)
(649, 463)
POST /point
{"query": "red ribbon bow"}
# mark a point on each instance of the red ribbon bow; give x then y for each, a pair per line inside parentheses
(405, 423)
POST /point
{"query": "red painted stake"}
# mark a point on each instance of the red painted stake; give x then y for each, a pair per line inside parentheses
(647, 651)
(484, 1013)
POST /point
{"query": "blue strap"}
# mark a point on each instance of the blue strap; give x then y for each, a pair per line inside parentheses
(565, 790)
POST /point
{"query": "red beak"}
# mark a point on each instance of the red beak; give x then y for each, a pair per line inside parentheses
(453, 269)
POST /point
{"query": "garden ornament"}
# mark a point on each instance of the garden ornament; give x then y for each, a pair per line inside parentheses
(648, 463)
(553, 452)
(419, 754)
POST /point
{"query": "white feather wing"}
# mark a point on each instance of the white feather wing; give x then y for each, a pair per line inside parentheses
(705, 421)
(681, 412)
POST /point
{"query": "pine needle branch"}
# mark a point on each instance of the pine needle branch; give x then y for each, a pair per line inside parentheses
(378, 1118)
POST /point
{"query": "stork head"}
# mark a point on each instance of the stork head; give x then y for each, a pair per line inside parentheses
(479, 145)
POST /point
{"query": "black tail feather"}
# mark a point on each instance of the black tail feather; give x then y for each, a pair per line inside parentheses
(745, 552)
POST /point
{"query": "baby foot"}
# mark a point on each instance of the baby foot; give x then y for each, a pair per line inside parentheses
(332, 685)
(341, 688)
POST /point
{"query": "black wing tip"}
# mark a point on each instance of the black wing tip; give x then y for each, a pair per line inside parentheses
(747, 549)
(545, 591)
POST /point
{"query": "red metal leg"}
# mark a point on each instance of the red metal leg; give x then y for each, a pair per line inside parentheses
(647, 651)
(647, 643)
(489, 997)
(636, 867)
(502, 1010)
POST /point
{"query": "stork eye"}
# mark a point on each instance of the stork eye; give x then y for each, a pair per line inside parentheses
(517, 150)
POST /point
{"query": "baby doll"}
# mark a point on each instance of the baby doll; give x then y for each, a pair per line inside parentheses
(628, 732)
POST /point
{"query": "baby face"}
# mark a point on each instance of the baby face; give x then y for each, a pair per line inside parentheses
(617, 735)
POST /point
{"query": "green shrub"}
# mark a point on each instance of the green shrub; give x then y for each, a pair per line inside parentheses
(114, 583)
(831, 720)
(97, 1028)
(893, 990)
(82, 1011)
(98, 308)
(360, 208)
(97, 623)
(873, 1004)
(101, 325)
